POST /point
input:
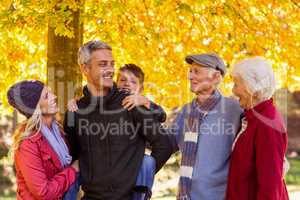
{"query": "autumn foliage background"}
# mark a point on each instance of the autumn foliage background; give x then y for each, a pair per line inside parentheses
(154, 34)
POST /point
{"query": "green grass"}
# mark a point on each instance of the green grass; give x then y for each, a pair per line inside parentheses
(293, 176)
(8, 197)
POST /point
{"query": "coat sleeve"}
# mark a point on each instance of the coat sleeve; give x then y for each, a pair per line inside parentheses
(30, 164)
(155, 134)
(270, 147)
(176, 130)
(159, 113)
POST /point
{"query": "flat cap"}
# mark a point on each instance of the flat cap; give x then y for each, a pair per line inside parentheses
(211, 60)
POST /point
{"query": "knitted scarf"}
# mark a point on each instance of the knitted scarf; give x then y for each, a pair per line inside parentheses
(195, 116)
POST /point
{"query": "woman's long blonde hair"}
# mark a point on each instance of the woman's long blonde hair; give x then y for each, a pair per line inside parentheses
(28, 128)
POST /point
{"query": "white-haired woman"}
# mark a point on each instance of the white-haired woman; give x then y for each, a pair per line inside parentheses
(256, 167)
(41, 156)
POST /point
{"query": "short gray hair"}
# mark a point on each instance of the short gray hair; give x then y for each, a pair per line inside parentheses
(85, 51)
(258, 74)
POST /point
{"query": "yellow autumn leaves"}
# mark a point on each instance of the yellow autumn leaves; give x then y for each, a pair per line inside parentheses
(158, 34)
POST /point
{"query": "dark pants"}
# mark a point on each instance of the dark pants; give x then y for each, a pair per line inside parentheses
(145, 179)
(72, 193)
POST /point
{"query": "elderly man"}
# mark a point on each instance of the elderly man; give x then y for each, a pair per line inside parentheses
(205, 130)
(108, 140)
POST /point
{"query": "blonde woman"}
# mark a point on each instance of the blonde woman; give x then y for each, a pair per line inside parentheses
(42, 158)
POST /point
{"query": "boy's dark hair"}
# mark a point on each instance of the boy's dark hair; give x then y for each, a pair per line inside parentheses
(136, 70)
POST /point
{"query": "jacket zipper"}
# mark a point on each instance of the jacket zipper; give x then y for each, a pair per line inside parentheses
(108, 150)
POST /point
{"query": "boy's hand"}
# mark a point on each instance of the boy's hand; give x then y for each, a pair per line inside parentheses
(75, 165)
(135, 100)
(72, 105)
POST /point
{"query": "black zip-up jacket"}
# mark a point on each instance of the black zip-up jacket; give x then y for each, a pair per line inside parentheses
(109, 142)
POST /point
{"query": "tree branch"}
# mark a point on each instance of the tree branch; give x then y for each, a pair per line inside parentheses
(295, 3)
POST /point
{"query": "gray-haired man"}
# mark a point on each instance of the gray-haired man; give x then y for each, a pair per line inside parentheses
(205, 130)
(108, 140)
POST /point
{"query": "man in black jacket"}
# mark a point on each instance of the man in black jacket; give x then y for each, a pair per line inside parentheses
(108, 140)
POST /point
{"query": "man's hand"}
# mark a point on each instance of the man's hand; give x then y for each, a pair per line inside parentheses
(135, 100)
(75, 165)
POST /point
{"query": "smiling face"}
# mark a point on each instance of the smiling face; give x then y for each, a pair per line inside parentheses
(242, 92)
(48, 103)
(100, 69)
(203, 80)
(128, 81)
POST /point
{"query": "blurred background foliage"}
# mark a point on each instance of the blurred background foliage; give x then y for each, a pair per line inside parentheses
(155, 34)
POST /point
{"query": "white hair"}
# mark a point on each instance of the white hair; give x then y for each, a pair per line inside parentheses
(85, 51)
(212, 71)
(258, 75)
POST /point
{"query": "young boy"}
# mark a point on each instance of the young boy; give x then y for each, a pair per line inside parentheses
(131, 79)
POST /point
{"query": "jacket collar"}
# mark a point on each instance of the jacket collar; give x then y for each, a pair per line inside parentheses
(259, 108)
(97, 100)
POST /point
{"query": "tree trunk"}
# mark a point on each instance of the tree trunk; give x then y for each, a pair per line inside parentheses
(63, 72)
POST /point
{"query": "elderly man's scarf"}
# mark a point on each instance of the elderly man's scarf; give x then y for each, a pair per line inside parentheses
(195, 116)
